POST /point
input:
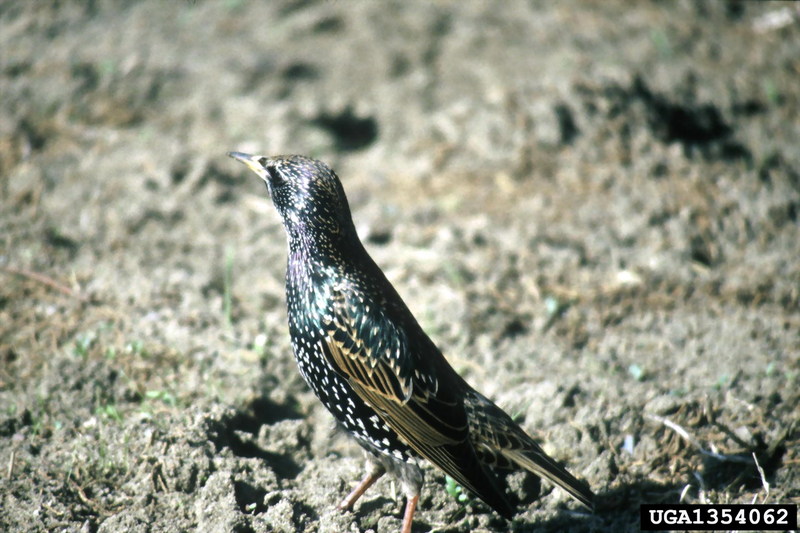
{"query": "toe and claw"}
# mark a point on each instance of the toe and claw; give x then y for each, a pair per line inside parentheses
(366, 483)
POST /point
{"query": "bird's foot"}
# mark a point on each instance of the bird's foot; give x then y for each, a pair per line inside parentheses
(367, 482)
(408, 516)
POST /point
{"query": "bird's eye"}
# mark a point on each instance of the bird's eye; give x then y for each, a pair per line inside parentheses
(275, 176)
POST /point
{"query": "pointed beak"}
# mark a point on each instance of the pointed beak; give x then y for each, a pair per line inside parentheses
(250, 160)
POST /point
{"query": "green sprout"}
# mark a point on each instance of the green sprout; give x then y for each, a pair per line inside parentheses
(83, 342)
(636, 372)
(455, 490)
(136, 348)
(165, 397)
(260, 345)
(109, 411)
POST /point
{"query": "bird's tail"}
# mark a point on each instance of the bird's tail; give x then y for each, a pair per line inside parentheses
(533, 459)
(502, 443)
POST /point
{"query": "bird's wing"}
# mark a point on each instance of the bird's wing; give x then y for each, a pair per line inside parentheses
(395, 368)
(384, 363)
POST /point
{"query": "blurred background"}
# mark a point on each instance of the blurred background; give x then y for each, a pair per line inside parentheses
(592, 208)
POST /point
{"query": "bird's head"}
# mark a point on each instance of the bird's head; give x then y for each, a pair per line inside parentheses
(307, 194)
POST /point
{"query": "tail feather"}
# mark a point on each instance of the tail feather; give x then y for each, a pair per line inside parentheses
(536, 461)
(501, 443)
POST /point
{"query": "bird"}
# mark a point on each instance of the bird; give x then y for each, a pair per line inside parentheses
(370, 363)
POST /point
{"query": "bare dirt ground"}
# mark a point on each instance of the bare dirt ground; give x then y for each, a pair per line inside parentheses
(591, 207)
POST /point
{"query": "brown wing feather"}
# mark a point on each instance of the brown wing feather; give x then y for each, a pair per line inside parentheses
(367, 348)
(413, 416)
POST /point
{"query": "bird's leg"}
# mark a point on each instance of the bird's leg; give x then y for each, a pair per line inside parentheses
(408, 516)
(374, 474)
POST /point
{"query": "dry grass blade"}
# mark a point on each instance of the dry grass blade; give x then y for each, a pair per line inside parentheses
(45, 280)
(694, 442)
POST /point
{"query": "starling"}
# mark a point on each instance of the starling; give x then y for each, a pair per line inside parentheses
(370, 363)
